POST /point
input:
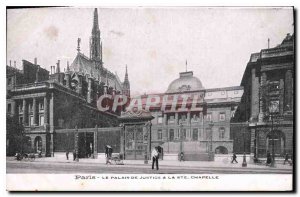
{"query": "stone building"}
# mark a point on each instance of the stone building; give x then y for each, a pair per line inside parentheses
(268, 83)
(46, 102)
(201, 126)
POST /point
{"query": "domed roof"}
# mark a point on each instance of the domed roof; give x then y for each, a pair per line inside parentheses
(185, 82)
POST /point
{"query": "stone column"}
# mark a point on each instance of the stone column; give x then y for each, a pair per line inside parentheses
(89, 94)
(165, 119)
(254, 94)
(189, 117)
(122, 145)
(96, 143)
(165, 129)
(176, 131)
(288, 91)
(25, 112)
(263, 80)
(34, 109)
(51, 113)
(79, 89)
(45, 110)
(281, 96)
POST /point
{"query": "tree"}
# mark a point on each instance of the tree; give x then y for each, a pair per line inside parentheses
(14, 136)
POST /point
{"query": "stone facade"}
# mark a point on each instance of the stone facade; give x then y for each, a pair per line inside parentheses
(46, 101)
(195, 131)
(269, 81)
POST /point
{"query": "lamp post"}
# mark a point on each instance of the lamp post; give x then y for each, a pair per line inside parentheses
(244, 164)
(76, 144)
(180, 137)
(211, 124)
(273, 108)
(147, 141)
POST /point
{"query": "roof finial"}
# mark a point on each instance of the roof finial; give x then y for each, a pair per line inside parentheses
(78, 44)
(186, 65)
(268, 43)
(68, 67)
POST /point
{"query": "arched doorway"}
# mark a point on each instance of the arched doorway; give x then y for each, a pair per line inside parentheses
(279, 142)
(37, 144)
(221, 150)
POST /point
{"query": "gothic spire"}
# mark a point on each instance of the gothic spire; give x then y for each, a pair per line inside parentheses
(126, 76)
(95, 40)
(95, 22)
(126, 84)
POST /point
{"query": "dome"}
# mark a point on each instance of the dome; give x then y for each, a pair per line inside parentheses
(185, 82)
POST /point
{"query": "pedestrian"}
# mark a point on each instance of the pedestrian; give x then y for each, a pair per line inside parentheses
(286, 159)
(107, 154)
(269, 159)
(74, 155)
(234, 158)
(154, 155)
(181, 157)
(67, 155)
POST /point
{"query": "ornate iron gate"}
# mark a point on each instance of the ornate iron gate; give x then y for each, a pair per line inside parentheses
(134, 144)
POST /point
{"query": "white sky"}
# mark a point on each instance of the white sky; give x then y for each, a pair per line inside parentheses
(153, 42)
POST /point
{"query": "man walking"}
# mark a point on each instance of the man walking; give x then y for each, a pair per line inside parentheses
(234, 158)
(154, 155)
(67, 155)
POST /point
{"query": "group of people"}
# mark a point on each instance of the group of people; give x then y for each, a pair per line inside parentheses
(269, 159)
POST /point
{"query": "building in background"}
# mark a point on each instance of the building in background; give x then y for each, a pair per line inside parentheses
(203, 127)
(266, 108)
(46, 102)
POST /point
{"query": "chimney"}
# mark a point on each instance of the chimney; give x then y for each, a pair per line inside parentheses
(58, 67)
(35, 61)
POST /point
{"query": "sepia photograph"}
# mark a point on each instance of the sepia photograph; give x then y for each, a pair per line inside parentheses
(150, 98)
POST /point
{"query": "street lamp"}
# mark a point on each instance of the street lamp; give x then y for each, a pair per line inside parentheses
(273, 108)
(180, 135)
(244, 164)
(147, 141)
(211, 124)
(76, 144)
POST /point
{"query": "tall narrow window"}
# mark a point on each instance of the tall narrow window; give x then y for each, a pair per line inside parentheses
(209, 117)
(195, 134)
(41, 106)
(208, 134)
(183, 134)
(222, 116)
(159, 134)
(41, 120)
(222, 133)
(159, 120)
(171, 134)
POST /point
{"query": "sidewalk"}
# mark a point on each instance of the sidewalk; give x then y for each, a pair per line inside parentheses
(194, 164)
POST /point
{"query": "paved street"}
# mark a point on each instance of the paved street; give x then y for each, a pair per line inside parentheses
(132, 167)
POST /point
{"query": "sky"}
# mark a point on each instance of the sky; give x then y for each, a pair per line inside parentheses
(155, 43)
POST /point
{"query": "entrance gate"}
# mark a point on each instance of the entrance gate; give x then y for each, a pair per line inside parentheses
(136, 135)
(134, 146)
